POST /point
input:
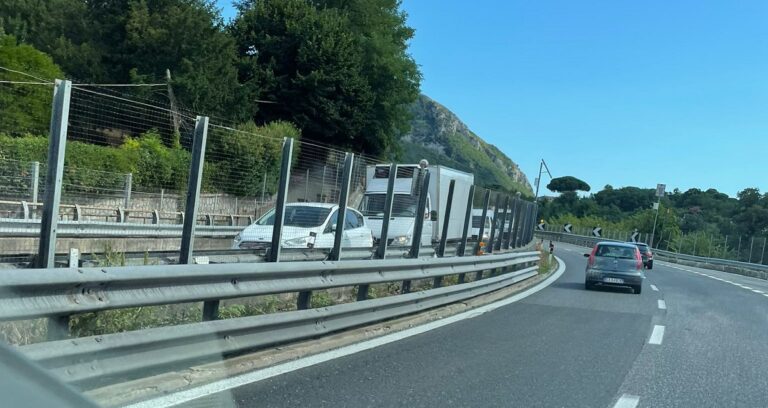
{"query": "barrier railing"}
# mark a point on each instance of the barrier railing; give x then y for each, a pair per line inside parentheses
(90, 361)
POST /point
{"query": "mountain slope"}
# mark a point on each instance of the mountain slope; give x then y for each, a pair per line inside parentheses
(439, 136)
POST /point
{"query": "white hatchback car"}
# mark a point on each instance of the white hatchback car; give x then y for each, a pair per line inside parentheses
(307, 225)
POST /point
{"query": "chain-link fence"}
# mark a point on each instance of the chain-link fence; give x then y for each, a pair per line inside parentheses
(125, 191)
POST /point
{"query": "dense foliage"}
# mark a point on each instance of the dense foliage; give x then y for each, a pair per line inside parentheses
(25, 108)
(567, 184)
(339, 70)
(693, 217)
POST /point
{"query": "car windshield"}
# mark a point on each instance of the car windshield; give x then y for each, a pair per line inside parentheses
(404, 205)
(615, 251)
(298, 216)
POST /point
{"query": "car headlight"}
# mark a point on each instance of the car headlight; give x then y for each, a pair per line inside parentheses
(401, 240)
(238, 238)
(298, 241)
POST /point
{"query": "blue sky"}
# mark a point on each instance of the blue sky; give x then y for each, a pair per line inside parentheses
(613, 92)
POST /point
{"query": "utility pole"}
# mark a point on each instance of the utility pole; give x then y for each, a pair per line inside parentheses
(659, 193)
(542, 166)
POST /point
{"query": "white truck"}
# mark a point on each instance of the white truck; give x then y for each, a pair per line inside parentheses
(404, 206)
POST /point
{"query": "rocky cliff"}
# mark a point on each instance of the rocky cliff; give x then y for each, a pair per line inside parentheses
(439, 136)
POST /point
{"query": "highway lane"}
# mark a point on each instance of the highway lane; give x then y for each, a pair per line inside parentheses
(562, 346)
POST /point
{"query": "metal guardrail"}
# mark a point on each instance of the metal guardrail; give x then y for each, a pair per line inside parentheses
(33, 293)
(92, 360)
(31, 228)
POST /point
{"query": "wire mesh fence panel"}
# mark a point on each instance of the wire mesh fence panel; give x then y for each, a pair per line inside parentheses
(25, 117)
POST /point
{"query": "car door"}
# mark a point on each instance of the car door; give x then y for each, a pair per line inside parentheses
(356, 235)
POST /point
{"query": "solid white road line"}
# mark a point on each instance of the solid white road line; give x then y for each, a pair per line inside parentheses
(662, 304)
(627, 401)
(654, 288)
(269, 372)
(758, 291)
(657, 336)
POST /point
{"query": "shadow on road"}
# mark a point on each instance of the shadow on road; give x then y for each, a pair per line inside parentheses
(580, 286)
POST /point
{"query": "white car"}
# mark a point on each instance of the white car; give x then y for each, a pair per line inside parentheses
(307, 225)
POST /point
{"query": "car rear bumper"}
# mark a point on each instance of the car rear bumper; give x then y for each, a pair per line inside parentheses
(614, 278)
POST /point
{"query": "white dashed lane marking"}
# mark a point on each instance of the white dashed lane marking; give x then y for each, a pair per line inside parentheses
(657, 336)
(627, 401)
(662, 304)
(654, 288)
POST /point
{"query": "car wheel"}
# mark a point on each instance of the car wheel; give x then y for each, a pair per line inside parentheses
(650, 265)
(637, 289)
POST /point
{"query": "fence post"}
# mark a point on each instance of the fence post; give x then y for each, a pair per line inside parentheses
(725, 248)
(193, 189)
(418, 225)
(381, 249)
(494, 225)
(762, 254)
(518, 222)
(34, 181)
(752, 245)
(263, 188)
(58, 326)
(503, 223)
(305, 298)
(738, 250)
(273, 255)
(127, 187)
(512, 220)
(438, 281)
(210, 308)
(306, 187)
(462, 249)
(481, 231)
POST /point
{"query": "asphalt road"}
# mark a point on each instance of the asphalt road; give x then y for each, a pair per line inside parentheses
(561, 347)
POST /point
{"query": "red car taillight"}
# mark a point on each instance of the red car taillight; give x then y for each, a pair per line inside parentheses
(639, 260)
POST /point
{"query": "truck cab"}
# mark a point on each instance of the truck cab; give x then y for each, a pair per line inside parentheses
(404, 204)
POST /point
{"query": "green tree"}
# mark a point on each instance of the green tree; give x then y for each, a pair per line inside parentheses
(25, 108)
(305, 62)
(567, 184)
(393, 76)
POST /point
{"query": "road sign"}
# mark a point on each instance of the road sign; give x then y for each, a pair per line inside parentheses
(656, 206)
(542, 226)
(635, 235)
(660, 190)
(567, 228)
(596, 231)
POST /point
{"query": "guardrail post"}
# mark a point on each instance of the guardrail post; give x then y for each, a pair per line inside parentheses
(494, 225)
(305, 298)
(34, 181)
(58, 326)
(127, 190)
(481, 231)
(210, 308)
(438, 281)
(418, 225)
(25, 210)
(155, 217)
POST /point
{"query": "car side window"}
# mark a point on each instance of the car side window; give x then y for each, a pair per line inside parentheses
(333, 220)
(351, 221)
